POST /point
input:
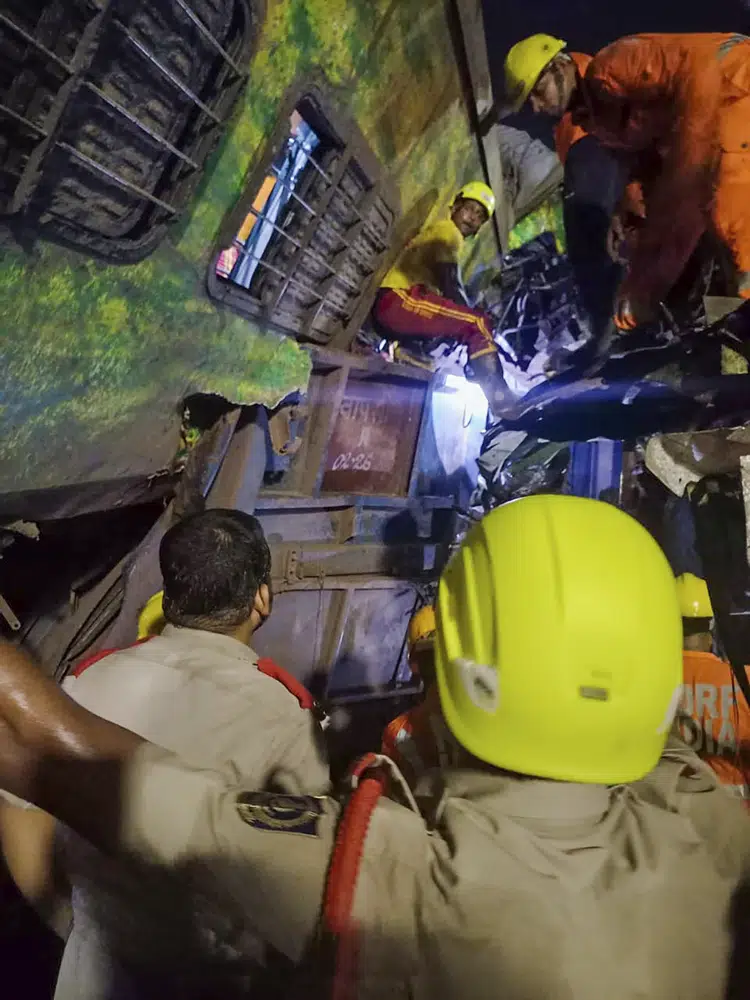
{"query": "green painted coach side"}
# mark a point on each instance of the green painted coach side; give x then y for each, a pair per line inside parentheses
(97, 358)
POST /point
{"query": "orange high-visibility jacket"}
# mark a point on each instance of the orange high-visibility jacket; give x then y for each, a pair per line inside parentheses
(419, 740)
(569, 130)
(674, 101)
(715, 719)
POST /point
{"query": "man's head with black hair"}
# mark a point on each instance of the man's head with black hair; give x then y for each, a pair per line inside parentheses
(216, 567)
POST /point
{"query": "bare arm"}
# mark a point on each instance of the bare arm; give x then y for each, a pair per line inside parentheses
(27, 839)
(124, 794)
(451, 284)
(57, 755)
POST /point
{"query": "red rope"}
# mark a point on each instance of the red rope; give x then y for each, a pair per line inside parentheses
(343, 874)
(270, 668)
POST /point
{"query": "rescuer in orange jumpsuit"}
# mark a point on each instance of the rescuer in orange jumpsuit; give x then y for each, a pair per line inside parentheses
(714, 718)
(569, 131)
(678, 106)
(593, 184)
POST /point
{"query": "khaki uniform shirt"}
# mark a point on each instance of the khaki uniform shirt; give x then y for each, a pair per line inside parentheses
(520, 889)
(200, 695)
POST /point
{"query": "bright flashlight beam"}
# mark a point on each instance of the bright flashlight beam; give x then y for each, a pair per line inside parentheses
(471, 394)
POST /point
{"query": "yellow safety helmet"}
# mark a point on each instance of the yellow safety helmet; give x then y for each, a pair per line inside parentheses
(420, 636)
(692, 593)
(151, 619)
(478, 191)
(559, 642)
(525, 63)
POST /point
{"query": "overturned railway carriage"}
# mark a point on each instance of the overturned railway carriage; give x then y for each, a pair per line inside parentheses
(197, 200)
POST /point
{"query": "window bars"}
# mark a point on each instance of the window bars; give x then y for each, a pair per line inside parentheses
(316, 228)
(108, 111)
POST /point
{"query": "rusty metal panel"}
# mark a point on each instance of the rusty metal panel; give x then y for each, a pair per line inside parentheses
(374, 437)
(327, 393)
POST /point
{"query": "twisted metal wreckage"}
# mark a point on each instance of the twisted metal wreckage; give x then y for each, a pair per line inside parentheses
(662, 397)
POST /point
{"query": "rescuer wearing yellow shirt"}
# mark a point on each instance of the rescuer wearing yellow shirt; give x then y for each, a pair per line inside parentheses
(422, 295)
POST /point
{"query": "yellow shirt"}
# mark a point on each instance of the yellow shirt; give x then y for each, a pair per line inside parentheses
(418, 263)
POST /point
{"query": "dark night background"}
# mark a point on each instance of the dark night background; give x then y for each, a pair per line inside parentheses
(588, 26)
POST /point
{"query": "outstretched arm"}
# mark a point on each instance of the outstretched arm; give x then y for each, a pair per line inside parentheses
(451, 285)
(268, 853)
(56, 754)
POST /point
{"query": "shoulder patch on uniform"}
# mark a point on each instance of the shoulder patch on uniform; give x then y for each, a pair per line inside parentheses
(280, 813)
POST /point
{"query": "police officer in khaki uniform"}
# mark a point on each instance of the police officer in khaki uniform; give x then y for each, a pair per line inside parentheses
(197, 690)
(573, 854)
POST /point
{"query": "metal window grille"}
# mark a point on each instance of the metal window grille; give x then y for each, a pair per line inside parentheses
(108, 111)
(309, 265)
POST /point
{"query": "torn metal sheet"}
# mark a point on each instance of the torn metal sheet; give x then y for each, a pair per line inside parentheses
(625, 400)
(621, 411)
(533, 467)
(680, 459)
(498, 444)
(28, 529)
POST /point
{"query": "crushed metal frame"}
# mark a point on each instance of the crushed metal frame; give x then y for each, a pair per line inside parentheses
(105, 122)
(339, 303)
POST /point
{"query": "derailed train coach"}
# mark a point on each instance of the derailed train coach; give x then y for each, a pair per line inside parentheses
(197, 199)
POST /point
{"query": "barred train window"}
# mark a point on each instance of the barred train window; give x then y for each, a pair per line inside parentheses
(311, 232)
(108, 111)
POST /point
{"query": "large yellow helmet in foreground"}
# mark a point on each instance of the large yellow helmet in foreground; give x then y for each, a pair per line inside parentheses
(559, 642)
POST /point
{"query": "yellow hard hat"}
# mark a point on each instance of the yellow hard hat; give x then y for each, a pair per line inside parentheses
(559, 642)
(478, 191)
(420, 635)
(151, 619)
(692, 593)
(525, 63)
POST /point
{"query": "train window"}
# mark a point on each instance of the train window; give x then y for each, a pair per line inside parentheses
(306, 242)
(108, 112)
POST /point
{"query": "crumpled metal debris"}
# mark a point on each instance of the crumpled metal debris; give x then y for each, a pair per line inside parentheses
(627, 401)
(532, 297)
(29, 529)
(597, 409)
(678, 460)
(532, 467)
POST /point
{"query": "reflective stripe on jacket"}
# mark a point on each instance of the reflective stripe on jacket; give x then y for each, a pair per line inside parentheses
(715, 719)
